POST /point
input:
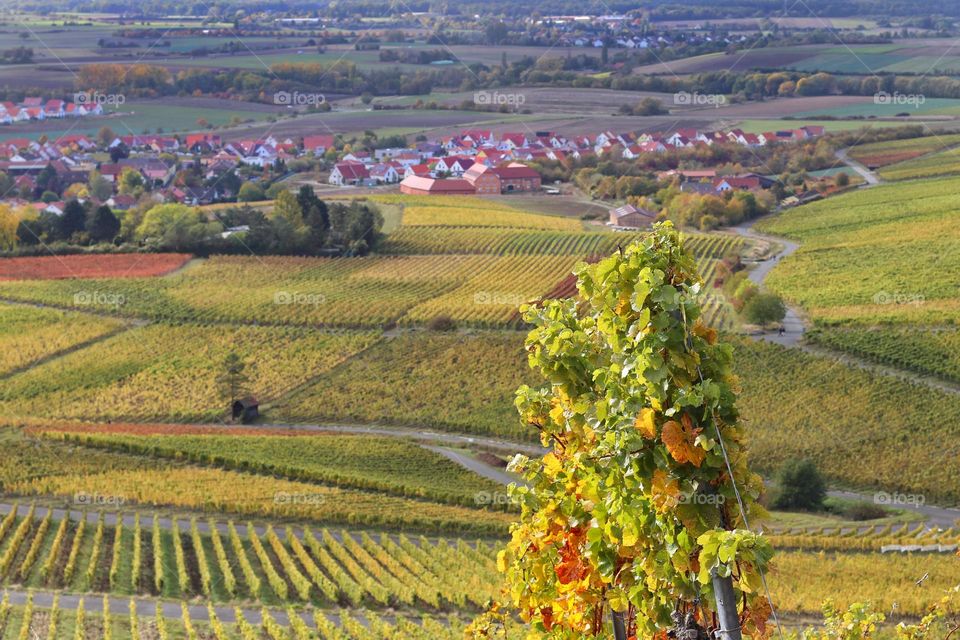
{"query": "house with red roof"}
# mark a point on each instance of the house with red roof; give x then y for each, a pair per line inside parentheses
(317, 144)
(422, 170)
(55, 108)
(512, 141)
(348, 173)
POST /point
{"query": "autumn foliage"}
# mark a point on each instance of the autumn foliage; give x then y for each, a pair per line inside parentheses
(633, 509)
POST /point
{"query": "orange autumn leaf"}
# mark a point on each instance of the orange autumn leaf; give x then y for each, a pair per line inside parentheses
(756, 619)
(679, 440)
(665, 491)
(707, 333)
(646, 423)
(546, 613)
(572, 566)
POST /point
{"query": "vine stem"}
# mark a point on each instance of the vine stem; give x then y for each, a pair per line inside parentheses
(733, 480)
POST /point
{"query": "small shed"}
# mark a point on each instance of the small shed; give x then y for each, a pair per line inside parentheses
(246, 409)
(631, 217)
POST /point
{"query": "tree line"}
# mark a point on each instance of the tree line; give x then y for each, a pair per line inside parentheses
(297, 224)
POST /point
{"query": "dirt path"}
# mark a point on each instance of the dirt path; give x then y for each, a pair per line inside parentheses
(870, 177)
(795, 326)
(477, 466)
(792, 323)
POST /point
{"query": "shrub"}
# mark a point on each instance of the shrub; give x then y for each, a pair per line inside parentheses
(764, 308)
(442, 323)
(800, 487)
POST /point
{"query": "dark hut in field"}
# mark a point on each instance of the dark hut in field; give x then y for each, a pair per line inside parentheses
(246, 410)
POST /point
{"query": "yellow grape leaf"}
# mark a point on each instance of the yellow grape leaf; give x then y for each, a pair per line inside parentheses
(630, 534)
(551, 464)
(646, 423)
(679, 441)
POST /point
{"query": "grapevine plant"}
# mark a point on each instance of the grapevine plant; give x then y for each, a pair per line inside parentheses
(633, 509)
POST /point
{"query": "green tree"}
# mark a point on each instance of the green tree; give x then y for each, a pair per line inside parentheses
(131, 182)
(250, 192)
(177, 227)
(800, 486)
(102, 225)
(233, 380)
(73, 220)
(100, 188)
(634, 507)
(764, 309)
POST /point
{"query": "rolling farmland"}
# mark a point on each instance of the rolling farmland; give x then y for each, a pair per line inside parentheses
(848, 274)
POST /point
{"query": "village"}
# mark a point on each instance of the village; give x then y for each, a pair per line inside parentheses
(203, 168)
(35, 108)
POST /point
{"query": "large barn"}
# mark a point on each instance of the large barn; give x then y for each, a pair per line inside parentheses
(423, 186)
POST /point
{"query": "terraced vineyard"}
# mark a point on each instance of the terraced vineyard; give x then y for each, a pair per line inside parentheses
(943, 163)
(29, 334)
(387, 465)
(926, 350)
(342, 340)
(44, 466)
(170, 371)
(804, 406)
(219, 561)
(890, 152)
(849, 274)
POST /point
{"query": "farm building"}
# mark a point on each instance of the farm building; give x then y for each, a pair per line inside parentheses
(246, 410)
(631, 217)
(517, 177)
(422, 186)
(484, 179)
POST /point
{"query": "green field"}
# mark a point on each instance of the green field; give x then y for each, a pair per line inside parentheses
(139, 118)
(849, 274)
(930, 107)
